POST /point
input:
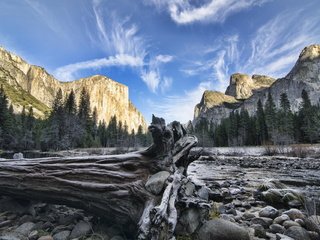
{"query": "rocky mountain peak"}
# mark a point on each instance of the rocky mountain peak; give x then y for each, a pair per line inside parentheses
(310, 53)
(242, 85)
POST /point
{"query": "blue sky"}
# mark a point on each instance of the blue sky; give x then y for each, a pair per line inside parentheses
(167, 51)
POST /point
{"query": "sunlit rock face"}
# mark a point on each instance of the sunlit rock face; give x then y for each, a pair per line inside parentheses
(242, 85)
(29, 85)
(246, 91)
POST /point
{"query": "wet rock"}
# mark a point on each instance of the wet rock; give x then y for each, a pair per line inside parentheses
(276, 228)
(223, 230)
(281, 219)
(64, 235)
(25, 228)
(294, 213)
(297, 233)
(269, 212)
(156, 182)
(81, 229)
(215, 195)
(259, 231)
(290, 223)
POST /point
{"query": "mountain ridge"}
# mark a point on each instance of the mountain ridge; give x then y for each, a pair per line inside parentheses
(304, 75)
(39, 88)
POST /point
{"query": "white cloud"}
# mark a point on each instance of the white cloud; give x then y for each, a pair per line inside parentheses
(179, 107)
(186, 11)
(68, 72)
(164, 58)
(277, 44)
(152, 79)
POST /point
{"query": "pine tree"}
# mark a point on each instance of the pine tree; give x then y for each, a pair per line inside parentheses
(270, 113)
(261, 126)
(284, 126)
(85, 118)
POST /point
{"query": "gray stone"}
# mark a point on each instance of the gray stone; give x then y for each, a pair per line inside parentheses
(222, 230)
(313, 235)
(248, 216)
(276, 228)
(269, 212)
(25, 228)
(259, 231)
(10, 236)
(297, 233)
(81, 229)
(156, 182)
(34, 235)
(265, 222)
(272, 196)
(47, 237)
(64, 235)
(300, 221)
(290, 223)
(281, 219)
(294, 213)
(204, 193)
(189, 188)
(188, 221)
(280, 236)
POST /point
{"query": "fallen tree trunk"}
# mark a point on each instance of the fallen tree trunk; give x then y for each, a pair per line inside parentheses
(111, 186)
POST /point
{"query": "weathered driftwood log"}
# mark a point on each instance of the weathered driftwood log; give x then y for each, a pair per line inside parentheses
(111, 186)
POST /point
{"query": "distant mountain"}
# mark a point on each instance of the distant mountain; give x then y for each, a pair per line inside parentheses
(28, 85)
(245, 91)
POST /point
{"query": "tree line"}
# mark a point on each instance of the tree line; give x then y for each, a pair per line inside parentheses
(69, 125)
(269, 125)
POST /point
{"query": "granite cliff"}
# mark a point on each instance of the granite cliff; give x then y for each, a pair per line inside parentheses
(245, 91)
(29, 85)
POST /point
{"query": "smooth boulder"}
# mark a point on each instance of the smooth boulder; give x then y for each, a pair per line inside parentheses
(156, 182)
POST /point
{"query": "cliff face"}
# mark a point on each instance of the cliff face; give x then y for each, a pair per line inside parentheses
(24, 81)
(248, 90)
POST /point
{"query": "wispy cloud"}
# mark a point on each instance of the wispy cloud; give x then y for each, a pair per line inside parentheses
(124, 47)
(67, 72)
(188, 11)
(277, 44)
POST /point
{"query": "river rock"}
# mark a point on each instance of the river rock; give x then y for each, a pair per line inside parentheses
(222, 230)
(156, 182)
(47, 237)
(259, 231)
(290, 223)
(280, 236)
(297, 233)
(189, 188)
(276, 228)
(64, 235)
(81, 229)
(34, 235)
(25, 228)
(204, 193)
(272, 196)
(269, 212)
(10, 237)
(265, 222)
(281, 219)
(18, 156)
(188, 221)
(294, 213)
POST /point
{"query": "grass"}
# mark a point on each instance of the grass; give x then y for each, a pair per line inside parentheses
(20, 97)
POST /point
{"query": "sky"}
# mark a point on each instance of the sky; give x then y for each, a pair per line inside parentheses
(166, 51)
